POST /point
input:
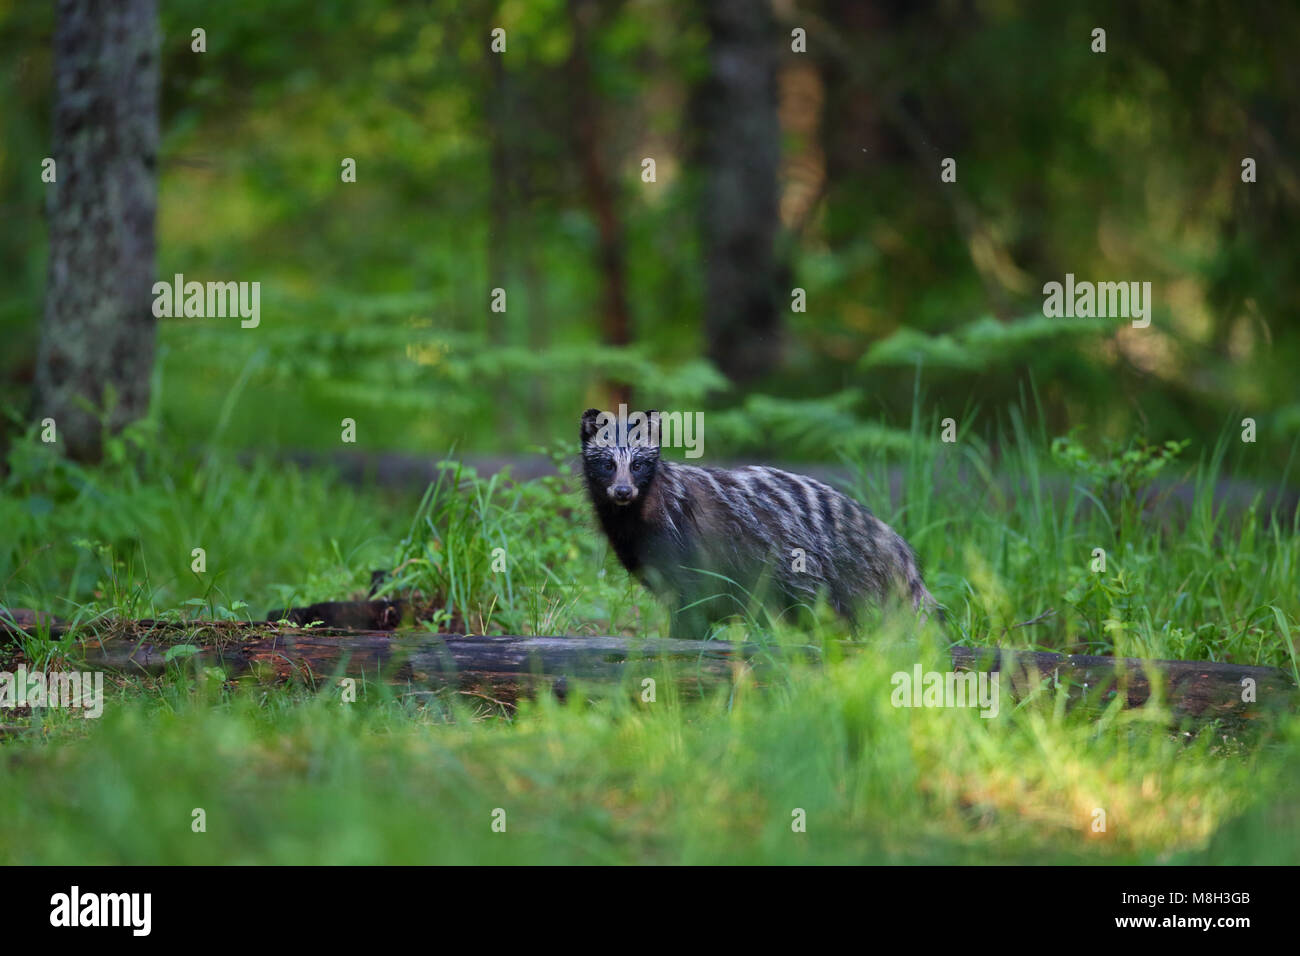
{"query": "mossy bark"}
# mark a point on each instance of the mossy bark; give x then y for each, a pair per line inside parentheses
(97, 336)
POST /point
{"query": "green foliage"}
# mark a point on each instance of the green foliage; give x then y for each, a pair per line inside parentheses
(500, 557)
(376, 307)
(117, 539)
(1122, 475)
(376, 293)
(302, 778)
(984, 343)
(806, 428)
(296, 777)
(409, 383)
(1191, 581)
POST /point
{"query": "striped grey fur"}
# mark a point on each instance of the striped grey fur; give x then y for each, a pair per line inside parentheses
(687, 531)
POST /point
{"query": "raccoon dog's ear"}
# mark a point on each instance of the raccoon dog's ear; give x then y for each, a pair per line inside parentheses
(652, 418)
(589, 424)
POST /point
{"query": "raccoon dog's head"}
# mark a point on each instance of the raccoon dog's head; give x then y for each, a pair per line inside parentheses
(619, 462)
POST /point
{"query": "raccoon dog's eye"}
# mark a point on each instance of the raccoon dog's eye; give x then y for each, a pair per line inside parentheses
(639, 465)
(607, 464)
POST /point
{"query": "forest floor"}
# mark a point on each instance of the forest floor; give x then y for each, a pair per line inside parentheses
(813, 763)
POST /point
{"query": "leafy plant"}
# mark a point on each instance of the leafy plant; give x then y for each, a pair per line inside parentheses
(1122, 475)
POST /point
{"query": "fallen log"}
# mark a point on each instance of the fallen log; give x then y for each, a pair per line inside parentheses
(505, 666)
(349, 615)
(510, 666)
(1197, 689)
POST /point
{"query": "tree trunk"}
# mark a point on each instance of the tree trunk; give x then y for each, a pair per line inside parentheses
(97, 337)
(499, 123)
(600, 187)
(742, 154)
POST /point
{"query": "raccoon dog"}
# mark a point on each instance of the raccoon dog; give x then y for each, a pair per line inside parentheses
(706, 539)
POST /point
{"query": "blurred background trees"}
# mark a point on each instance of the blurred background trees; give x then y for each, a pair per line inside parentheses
(775, 170)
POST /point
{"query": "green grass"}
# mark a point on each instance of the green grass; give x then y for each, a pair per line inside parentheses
(285, 774)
